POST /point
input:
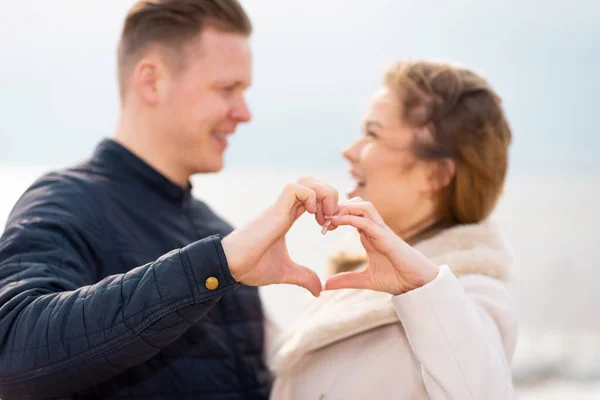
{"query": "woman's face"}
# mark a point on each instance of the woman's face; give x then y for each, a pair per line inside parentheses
(384, 168)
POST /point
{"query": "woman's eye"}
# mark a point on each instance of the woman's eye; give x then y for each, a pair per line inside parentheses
(371, 134)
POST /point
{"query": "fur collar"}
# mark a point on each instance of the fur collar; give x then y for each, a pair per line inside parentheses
(337, 315)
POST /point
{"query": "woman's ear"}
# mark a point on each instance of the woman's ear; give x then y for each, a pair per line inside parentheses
(441, 174)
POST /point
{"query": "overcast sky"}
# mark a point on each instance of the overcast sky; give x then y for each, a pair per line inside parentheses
(316, 64)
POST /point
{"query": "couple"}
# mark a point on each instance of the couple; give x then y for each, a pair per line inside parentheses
(116, 283)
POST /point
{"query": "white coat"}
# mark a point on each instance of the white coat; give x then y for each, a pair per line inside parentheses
(450, 339)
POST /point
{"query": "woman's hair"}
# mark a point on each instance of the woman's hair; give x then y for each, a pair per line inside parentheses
(455, 114)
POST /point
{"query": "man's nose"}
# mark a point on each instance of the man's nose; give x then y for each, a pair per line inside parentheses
(241, 112)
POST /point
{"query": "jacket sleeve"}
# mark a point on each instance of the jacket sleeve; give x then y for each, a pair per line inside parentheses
(463, 333)
(62, 331)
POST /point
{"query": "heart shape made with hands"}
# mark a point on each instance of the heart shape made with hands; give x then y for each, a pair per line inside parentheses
(257, 253)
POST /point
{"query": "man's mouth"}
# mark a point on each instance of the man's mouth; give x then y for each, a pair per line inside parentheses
(221, 139)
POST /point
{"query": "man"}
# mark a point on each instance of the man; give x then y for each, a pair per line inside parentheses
(114, 281)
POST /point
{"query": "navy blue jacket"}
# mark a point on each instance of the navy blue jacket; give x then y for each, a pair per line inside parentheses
(103, 294)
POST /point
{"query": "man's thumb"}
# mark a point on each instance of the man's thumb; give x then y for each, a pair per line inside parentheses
(299, 275)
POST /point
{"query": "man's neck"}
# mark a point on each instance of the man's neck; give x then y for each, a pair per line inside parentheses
(141, 141)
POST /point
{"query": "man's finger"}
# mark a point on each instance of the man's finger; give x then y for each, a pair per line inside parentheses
(348, 280)
(301, 210)
(319, 216)
(294, 193)
(301, 276)
(326, 195)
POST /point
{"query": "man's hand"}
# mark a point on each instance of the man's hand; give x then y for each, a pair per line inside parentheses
(257, 253)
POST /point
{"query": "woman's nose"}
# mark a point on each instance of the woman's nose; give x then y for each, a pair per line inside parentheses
(350, 153)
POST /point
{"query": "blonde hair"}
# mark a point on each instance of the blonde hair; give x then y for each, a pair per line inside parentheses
(457, 115)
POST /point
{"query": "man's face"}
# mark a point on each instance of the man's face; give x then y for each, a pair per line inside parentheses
(201, 105)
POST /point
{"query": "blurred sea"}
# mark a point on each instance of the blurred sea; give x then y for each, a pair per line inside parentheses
(551, 222)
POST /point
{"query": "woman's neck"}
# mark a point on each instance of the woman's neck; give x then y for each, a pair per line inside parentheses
(423, 230)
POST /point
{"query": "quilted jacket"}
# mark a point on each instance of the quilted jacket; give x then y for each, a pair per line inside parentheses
(104, 294)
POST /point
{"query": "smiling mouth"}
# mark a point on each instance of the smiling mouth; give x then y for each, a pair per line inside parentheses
(360, 184)
(221, 139)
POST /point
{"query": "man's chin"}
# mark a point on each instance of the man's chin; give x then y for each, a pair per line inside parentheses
(211, 167)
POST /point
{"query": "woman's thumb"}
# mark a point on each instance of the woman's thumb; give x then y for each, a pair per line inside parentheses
(348, 280)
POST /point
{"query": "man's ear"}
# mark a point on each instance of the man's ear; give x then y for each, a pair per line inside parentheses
(441, 174)
(148, 79)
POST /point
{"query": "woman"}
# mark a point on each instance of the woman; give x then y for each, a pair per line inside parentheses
(428, 315)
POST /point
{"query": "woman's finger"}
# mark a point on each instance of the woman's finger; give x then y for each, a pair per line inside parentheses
(327, 227)
(361, 208)
(348, 280)
(361, 223)
(353, 200)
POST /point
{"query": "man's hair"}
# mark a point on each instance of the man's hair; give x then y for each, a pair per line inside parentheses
(170, 24)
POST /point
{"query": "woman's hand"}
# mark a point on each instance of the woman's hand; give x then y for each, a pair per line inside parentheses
(257, 253)
(393, 266)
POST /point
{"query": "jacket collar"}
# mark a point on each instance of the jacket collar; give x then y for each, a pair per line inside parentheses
(117, 161)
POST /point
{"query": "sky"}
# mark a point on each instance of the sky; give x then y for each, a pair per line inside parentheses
(316, 65)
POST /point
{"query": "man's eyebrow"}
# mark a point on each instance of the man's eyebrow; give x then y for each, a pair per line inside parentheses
(235, 83)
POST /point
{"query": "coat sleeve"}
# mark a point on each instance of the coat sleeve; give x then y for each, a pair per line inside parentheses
(62, 331)
(463, 333)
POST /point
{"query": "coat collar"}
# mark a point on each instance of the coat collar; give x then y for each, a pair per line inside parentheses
(337, 315)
